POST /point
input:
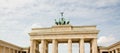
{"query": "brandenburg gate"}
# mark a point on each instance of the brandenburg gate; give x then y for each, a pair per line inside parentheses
(63, 33)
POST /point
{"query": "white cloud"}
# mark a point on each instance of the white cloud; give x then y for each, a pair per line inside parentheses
(103, 3)
(22, 15)
(106, 40)
(36, 25)
(13, 3)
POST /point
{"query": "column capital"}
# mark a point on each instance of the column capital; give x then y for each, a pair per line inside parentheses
(54, 39)
(17, 51)
(69, 40)
(112, 51)
(95, 38)
(32, 40)
(82, 38)
(117, 48)
(42, 39)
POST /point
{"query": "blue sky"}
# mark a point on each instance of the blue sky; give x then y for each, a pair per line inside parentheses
(17, 17)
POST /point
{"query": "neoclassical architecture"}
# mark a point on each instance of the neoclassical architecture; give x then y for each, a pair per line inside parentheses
(63, 34)
(6, 47)
(114, 48)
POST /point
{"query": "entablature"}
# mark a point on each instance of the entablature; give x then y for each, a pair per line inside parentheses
(65, 29)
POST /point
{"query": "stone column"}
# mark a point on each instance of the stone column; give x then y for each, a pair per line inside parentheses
(100, 51)
(69, 46)
(94, 46)
(9, 50)
(108, 51)
(3, 49)
(112, 51)
(54, 46)
(116, 50)
(33, 46)
(44, 46)
(20, 51)
(37, 48)
(13, 51)
(91, 47)
(17, 51)
(81, 45)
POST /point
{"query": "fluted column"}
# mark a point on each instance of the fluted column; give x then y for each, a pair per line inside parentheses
(112, 51)
(20, 51)
(55, 46)
(9, 50)
(17, 51)
(3, 49)
(81, 45)
(116, 50)
(69, 46)
(94, 46)
(101, 51)
(33, 46)
(44, 46)
(37, 48)
(13, 51)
